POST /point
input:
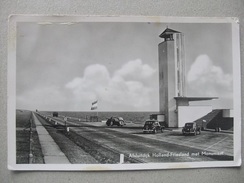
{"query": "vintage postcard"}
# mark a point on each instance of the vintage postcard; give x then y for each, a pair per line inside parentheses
(123, 93)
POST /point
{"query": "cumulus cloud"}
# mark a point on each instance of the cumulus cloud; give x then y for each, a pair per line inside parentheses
(135, 69)
(206, 79)
(122, 90)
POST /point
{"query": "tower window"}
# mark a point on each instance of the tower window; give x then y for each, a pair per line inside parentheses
(169, 37)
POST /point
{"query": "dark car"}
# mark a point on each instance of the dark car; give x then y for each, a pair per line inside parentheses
(55, 114)
(191, 128)
(119, 121)
(152, 126)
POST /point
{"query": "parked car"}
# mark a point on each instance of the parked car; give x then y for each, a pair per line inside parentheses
(55, 114)
(119, 121)
(152, 126)
(191, 128)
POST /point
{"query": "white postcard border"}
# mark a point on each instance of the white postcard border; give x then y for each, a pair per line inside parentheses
(47, 19)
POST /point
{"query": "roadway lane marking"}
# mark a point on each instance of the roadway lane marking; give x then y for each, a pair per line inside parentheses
(194, 139)
(175, 141)
(117, 147)
(194, 145)
(216, 143)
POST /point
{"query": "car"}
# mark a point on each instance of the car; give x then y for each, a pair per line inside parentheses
(55, 114)
(119, 121)
(152, 126)
(191, 128)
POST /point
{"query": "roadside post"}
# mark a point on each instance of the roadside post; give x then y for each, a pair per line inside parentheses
(65, 124)
(65, 121)
(121, 158)
(203, 121)
(31, 143)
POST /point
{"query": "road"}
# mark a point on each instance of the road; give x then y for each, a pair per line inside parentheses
(170, 146)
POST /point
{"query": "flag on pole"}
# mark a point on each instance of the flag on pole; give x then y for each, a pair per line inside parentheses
(94, 105)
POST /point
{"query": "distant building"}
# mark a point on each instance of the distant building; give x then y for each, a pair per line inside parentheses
(172, 91)
(55, 114)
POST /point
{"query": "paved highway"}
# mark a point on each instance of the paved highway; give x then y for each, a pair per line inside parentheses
(170, 146)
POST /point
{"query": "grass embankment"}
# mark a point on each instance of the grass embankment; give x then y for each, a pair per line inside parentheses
(23, 123)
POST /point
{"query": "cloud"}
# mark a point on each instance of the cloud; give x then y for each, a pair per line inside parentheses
(125, 89)
(135, 69)
(96, 78)
(206, 79)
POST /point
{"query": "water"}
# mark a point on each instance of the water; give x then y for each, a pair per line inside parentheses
(135, 117)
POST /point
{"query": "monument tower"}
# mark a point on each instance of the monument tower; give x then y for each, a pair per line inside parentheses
(172, 90)
(171, 73)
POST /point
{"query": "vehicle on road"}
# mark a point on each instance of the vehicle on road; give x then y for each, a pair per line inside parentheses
(191, 128)
(119, 121)
(152, 126)
(55, 114)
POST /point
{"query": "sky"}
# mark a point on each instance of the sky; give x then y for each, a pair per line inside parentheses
(67, 67)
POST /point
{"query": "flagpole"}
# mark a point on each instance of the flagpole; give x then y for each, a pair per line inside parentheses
(97, 110)
(95, 107)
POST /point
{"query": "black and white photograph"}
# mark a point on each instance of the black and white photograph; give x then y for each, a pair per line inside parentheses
(123, 93)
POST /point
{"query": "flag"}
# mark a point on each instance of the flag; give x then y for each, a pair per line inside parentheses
(94, 105)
